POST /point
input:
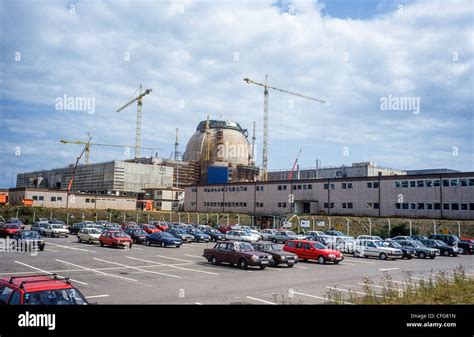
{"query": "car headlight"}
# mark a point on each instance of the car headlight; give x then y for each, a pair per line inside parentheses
(283, 257)
(332, 256)
(255, 257)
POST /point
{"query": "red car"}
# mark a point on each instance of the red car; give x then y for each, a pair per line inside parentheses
(45, 289)
(115, 239)
(313, 250)
(150, 229)
(128, 224)
(471, 240)
(9, 229)
(162, 226)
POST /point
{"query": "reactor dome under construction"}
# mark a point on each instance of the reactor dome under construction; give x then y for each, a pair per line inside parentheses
(223, 151)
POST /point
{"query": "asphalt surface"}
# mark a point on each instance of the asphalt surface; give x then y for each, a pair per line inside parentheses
(155, 275)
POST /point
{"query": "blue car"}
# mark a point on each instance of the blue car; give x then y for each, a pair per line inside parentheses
(214, 234)
(163, 239)
(199, 235)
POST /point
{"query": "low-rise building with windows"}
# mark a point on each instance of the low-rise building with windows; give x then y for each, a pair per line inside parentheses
(447, 195)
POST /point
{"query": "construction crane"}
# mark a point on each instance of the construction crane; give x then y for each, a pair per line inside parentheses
(290, 176)
(138, 133)
(265, 117)
(88, 146)
(69, 186)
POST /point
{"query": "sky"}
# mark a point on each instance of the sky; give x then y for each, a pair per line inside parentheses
(416, 56)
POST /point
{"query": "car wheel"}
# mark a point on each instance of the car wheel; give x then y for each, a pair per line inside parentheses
(336, 262)
(79, 239)
(213, 260)
(90, 241)
(243, 264)
(274, 240)
(148, 243)
(262, 267)
(114, 245)
(162, 244)
(130, 246)
(422, 255)
(321, 260)
(66, 235)
(101, 244)
(409, 257)
(446, 253)
(290, 265)
(41, 248)
(432, 257)
(383, 256)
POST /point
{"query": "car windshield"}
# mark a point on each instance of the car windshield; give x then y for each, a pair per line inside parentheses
(394, 244)
(439, 243)
(379, 243)
(243, 247)
(31, 235)
(55, 297)
(94, 231)
(418, 244)
(290, 233)
(57, 226)
(119, 235)
(138, 231)
(273, 247)
(13, 226)
(166, 235)
(214, 231)
(318, 245)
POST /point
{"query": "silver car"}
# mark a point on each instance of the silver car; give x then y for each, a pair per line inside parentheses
(376, 248)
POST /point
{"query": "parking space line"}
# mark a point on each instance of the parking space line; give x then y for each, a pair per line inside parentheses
(51, 250)
(312, 296)
(301, 267)
(377, 286)
(354, 259)
(387, 269)
(136, 268)
(97, 296)
(192, 255)
(47, 272)
(355, 292)
(420, 279)
(173, 258)
(173, 266)
(73, 248)
(347, 263)
(98, 271)
(259, 300)
(136, 248)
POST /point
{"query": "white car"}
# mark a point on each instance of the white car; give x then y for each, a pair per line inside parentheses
(376, 248)
(240, 236)
(369, 237)
(89, 235)
(265, 233)
(54, 230)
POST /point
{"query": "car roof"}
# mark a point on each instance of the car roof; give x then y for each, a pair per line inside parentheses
(32, 283)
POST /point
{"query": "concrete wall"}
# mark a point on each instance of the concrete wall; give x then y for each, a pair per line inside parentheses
(365, 200)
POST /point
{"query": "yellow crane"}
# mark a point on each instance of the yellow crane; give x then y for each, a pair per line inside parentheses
(138, 132)
(88, 145)
(265, 117)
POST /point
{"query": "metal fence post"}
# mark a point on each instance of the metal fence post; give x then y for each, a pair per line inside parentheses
(409, 220)
(370, 226)
(67, 219)
(389, 228)
(207, 217)
(96, 217)
(34, 215)
(110, 216)
(217, 218)
(189, 219)
(123, 216)
(347, 223)
(434, 227)
(312, 222)
(148, 217)
(238, 218)
(227, 215)
(197, 215)
(459, 228)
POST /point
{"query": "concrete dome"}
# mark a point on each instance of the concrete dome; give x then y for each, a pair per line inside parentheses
(228, 143)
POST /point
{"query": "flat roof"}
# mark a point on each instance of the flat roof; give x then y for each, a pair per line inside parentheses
(98, 195)
(325, 180)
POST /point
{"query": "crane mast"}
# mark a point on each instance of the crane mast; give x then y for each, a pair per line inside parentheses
(266, 117)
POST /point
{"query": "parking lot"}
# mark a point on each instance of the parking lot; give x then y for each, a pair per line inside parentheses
(155, 275)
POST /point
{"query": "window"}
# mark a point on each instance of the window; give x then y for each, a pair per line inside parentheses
(463, 207)
(397, 184)
(471, 182)
(436, 183)
(310, 187)
(59, 198)
(307, 246)
(15, 299)
(88, 200)
(369, 205)
(404, 184)
(445, 183)
(279, 187)
(291, 244)
(412, 205)
(376, 184)
(279, 204)
(446, 206)
(349, 205)
(305, 186)
(344, 205)
(454, 182)
(429, 183)
(429, 206)
(437, 206)
(299, 187)
(376, 205)
(412, 183)
(421, 205)
(53, 198)
(405, 205)
(259, 188)
(462, 182)
(5, 294)
(455, 207)
(299, 245)
(398, 205)
(326, 186)
(420, 183)
(349, 185)
(369, 185)
(344, 186)
(471, 206)
(41, 198)
(35, 197)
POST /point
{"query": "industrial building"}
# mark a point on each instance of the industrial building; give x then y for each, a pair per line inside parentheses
(162, 199)
(364, 169)
(114, 177)
(40, 197)
(448, 195)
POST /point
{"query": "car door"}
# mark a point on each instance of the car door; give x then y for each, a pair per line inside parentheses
(370, 249)
(308, 251)
(299, 250)
(231, 255)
